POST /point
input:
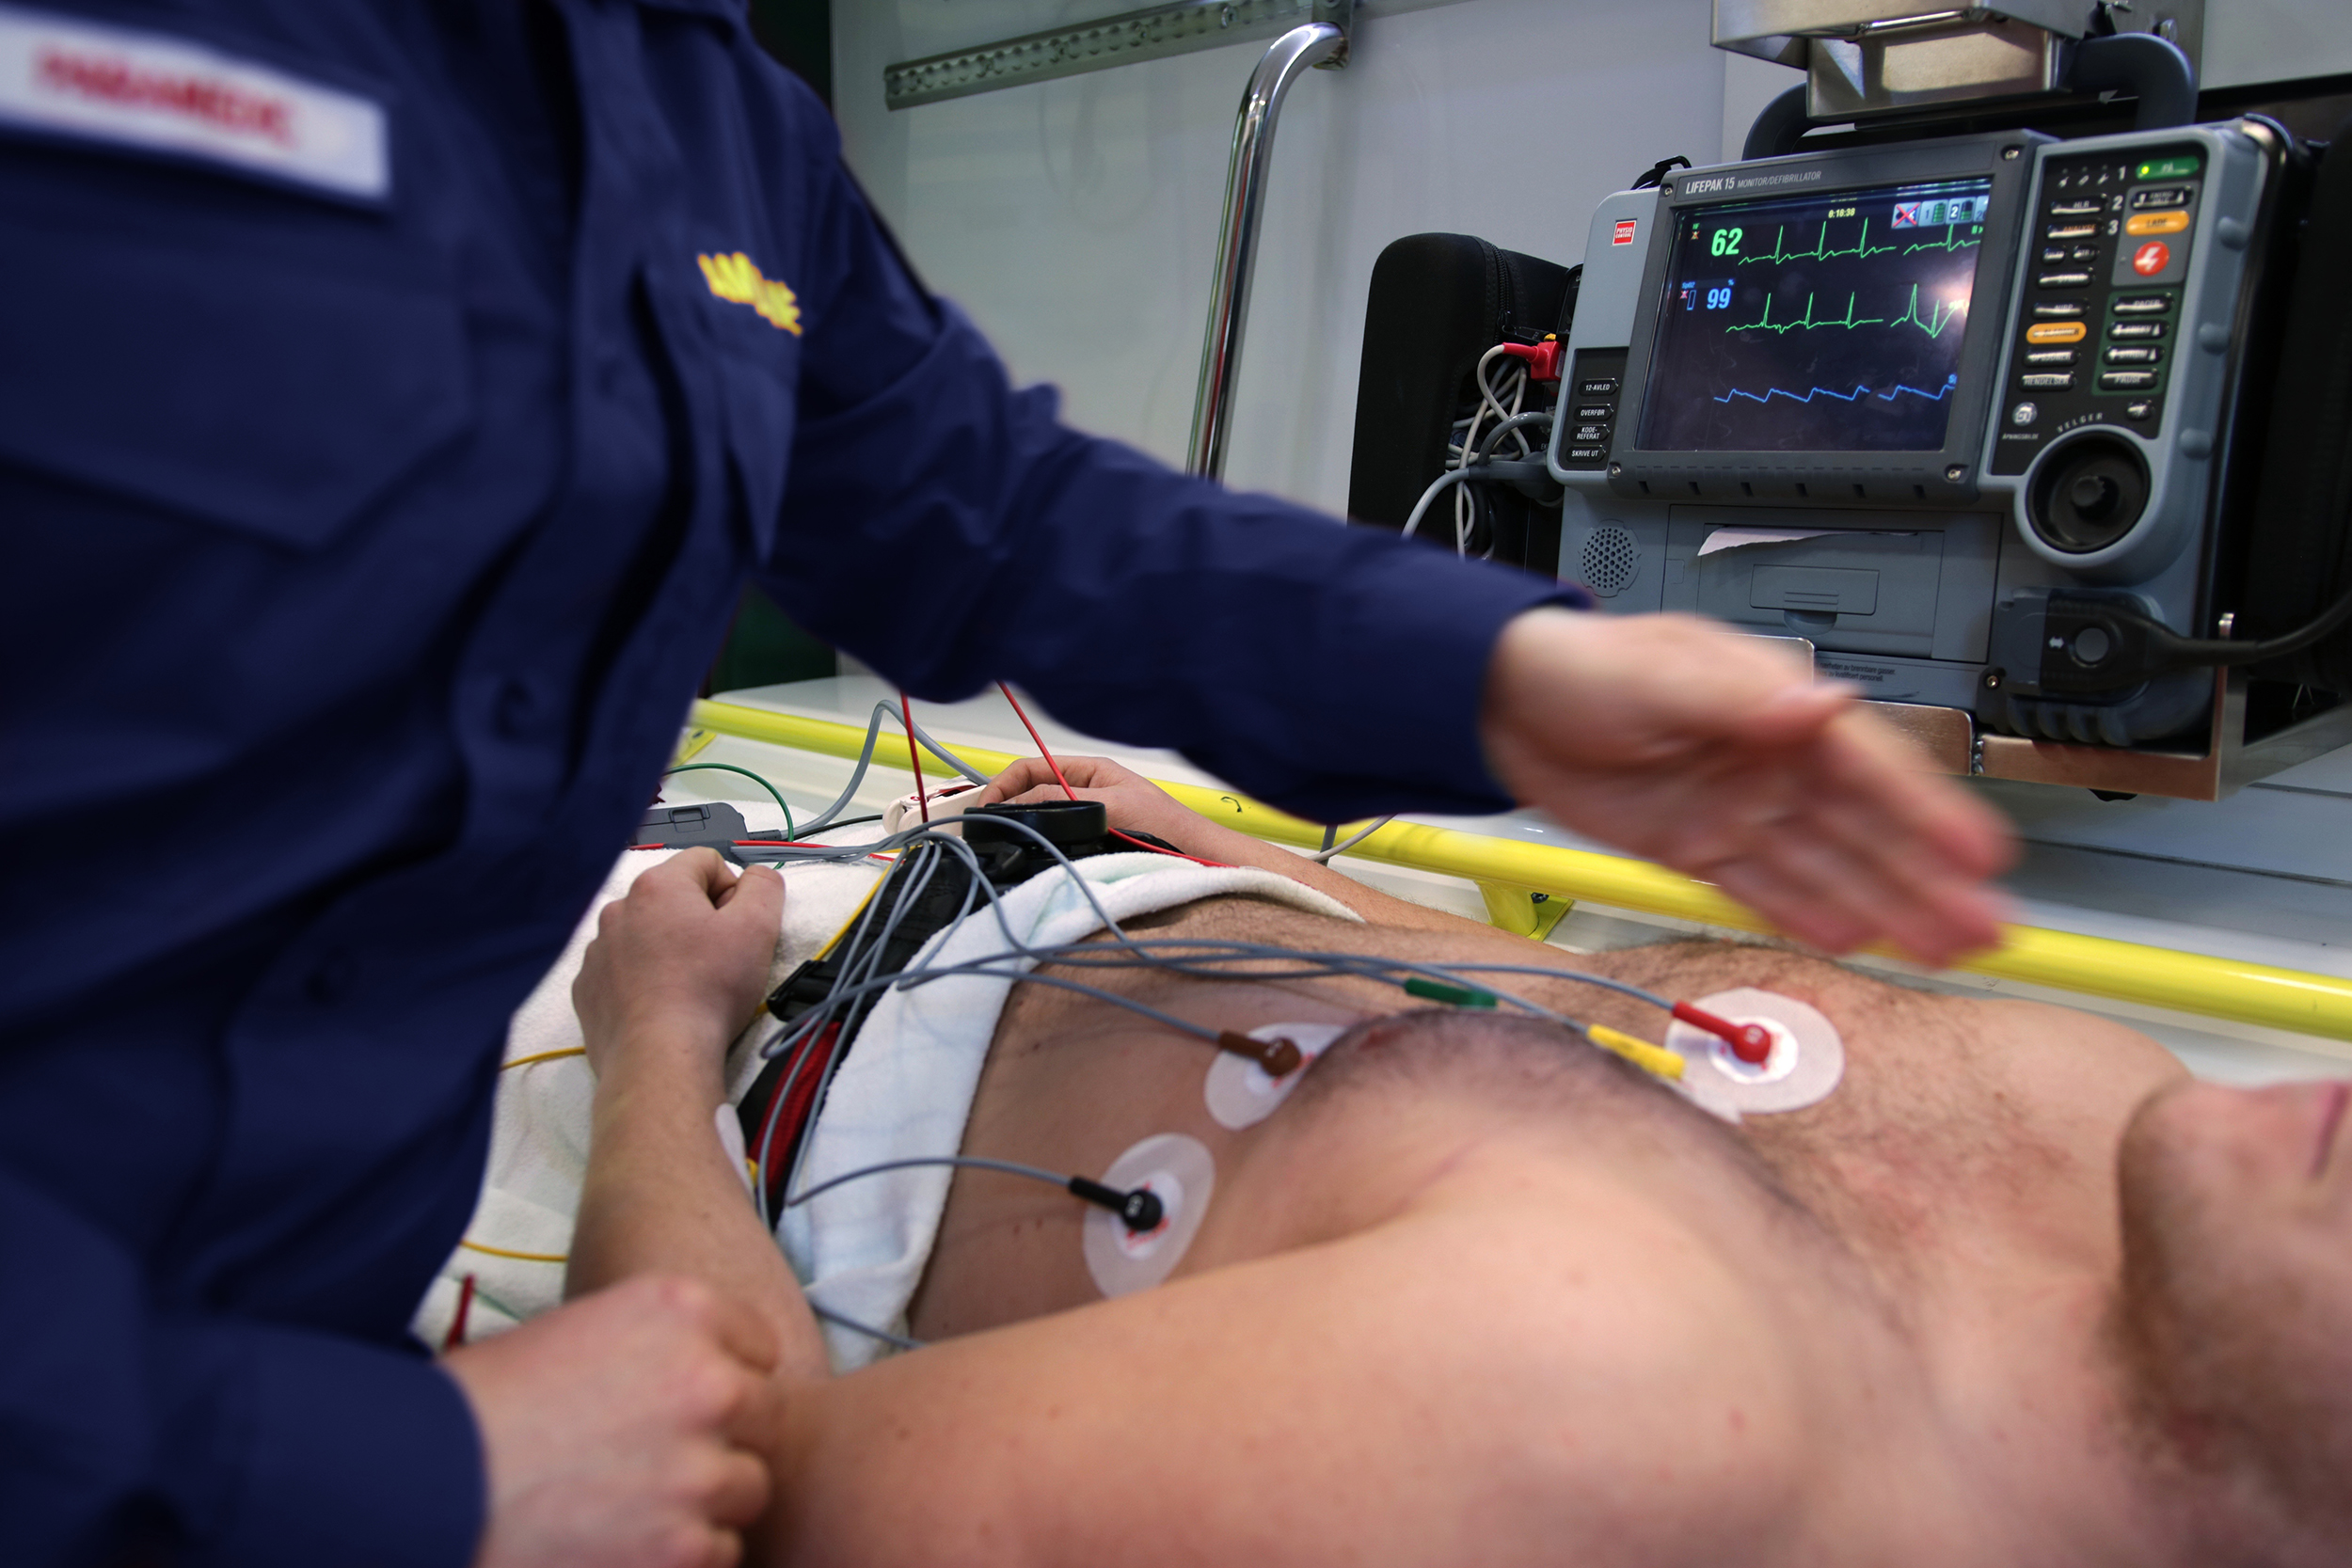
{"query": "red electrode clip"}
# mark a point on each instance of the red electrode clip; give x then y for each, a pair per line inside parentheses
(1750, 1042)
(1543, 359)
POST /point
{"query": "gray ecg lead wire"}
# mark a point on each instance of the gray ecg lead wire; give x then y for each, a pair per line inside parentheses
(865, 758)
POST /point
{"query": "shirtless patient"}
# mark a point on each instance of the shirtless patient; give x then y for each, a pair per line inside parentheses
(2019, 1293)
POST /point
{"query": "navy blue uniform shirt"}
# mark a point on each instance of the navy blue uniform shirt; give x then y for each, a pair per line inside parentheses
(393, 397)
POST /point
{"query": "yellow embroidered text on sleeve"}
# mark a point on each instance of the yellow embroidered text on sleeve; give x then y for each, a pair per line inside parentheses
(737, 279)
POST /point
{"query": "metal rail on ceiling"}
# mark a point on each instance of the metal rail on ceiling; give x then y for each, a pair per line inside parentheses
(1153, 33)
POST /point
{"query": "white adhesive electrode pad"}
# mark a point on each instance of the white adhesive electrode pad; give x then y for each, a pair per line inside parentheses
(1178, 1171)
(1241, 1094)
(1807, 1060)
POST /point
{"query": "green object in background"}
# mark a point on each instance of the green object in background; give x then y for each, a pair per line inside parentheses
(800, 34)
(764, 647)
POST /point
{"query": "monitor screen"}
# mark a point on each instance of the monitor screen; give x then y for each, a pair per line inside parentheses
(1827, 322)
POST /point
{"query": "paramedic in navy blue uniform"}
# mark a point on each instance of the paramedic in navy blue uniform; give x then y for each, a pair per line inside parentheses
(394, 395)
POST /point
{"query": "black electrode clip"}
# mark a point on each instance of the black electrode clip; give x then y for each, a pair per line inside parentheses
(1140, 1211)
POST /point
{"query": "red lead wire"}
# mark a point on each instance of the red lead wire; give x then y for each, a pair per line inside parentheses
(1035, 740)
(1038, 741)
(457, 1320)
(906, 713)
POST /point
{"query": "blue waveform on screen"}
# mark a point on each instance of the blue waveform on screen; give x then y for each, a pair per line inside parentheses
(1859, 392)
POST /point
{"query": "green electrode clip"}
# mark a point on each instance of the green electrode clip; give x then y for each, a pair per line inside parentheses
(1453, 996)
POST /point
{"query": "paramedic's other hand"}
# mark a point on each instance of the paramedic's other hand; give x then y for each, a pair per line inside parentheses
(619, 1430)
(1718, 756)
(678, 965)
(1134, 802)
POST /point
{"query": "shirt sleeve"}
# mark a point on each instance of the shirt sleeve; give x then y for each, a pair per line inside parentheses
(133, 1431)
(948, 531)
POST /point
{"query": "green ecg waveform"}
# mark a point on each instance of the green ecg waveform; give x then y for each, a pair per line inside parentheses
(1821, 251)
(1949, 241)
(1862, 248)
(1939, 317)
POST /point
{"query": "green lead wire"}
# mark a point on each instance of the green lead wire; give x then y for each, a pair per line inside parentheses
(789, 831)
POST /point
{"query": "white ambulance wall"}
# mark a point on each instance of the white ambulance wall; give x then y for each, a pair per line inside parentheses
(1075, 219)
(2273, 41)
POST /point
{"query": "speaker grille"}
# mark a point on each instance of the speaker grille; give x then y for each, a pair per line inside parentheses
(1609, 561)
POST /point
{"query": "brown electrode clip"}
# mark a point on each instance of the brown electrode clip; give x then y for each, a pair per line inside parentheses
(1279, 1057)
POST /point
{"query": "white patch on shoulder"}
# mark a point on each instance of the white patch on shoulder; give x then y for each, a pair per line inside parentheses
(160, 93)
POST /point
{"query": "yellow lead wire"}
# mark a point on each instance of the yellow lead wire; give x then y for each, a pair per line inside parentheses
(543, 1057)
(518, 1257)
(1650, 1059)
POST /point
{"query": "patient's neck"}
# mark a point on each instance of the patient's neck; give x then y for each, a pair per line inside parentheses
(2017, 1359)
(2007, 1295)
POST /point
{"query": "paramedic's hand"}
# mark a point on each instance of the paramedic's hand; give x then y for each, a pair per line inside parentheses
(618, 1431)
(1134, 802)
(678, 965)
(1718, 756)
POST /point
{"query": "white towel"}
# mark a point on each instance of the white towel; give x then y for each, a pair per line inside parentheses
(521, 1230)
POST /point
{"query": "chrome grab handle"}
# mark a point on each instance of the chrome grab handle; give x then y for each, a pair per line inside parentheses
(1237, 247)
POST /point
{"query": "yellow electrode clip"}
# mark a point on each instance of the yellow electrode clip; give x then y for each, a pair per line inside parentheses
(1653, 1059)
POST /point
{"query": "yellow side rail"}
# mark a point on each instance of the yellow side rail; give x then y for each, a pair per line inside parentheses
(2196, 983)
